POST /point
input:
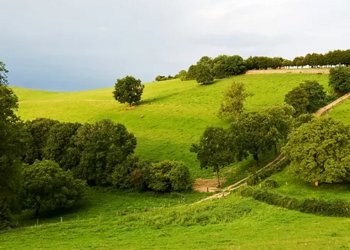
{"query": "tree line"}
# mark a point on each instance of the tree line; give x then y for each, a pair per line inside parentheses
(207, 69)
(47, 164)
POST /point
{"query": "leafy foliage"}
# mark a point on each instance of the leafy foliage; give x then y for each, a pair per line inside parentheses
(39, 130)
(128, 90)
(103, 146)
(225, 66)
(46, 185)
(233, 101)
(168, 176)
(339, 80)
(320, 151)
(60, 146)
(12, 146)
(215, 149)
(204, 74)
(308, 97)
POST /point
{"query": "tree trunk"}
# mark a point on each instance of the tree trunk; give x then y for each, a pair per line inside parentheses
(217, 175)
(276, 152)
(256, 158)
(37, 210)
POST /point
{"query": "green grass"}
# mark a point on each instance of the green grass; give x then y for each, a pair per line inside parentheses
(291, 185)
(230, 223)
(175, 113)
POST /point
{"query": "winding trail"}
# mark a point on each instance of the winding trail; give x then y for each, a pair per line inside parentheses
(226, 191)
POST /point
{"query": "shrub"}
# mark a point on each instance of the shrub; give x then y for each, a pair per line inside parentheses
(46, 185)
(169, 176)
(315, 206)
(180, 178)
(270, 184)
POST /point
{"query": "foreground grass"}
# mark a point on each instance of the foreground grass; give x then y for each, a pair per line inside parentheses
(230, 223)
(109, 203)
(175, 113)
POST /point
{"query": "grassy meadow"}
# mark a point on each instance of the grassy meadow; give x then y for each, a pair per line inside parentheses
(175, 113)
(230, 223)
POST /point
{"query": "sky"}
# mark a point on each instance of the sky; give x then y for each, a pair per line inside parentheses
(71, 45)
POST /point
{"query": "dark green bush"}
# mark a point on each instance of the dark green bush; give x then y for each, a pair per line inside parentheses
(314, 206)
(169, 176)
(270, 184)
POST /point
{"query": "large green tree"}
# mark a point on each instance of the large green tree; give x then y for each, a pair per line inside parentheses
(320, 151)
(215, 149)
(39, 130)
(12, 145)
(339, 80)
(233, 101)
(128, 90)
(253, 133)
(204, 73)
(48, 186)
(308, 97)
(102, 145)
(60, 145)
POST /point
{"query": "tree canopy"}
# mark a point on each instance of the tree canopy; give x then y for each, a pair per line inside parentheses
(339, 80)
(233, 101)
(48, 186)
(308, 97)
(215, 149)
(320, 151)
(128, 90)
(12, 147)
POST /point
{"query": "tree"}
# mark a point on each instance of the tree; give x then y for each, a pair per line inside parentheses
(204, 74)
(12, 146)
(233, 101)
(339, 80)
(309, 96)
(169, 176)
(128, 90)
(38, 130)
(102, 147)
(298, 98)
(253, 134)
(182, 75)
(191, 73)
(46, 185)
(124, 173)
(281, 122)
(320, 151)
(225, 66)
(60, 146)
(214, 150)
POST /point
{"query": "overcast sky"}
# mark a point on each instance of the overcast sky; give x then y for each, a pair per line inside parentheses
(69, 45)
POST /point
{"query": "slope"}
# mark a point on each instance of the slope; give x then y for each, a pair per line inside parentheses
(175, 113)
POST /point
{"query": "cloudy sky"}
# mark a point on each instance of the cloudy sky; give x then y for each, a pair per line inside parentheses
(70, 45)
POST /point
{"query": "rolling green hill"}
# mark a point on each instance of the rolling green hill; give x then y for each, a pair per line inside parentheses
(175, 113)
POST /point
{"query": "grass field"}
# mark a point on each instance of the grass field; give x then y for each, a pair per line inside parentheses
(230, 223)
(175, 113)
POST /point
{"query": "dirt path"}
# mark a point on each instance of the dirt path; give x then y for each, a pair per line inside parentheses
(283, 71)
(226, 191)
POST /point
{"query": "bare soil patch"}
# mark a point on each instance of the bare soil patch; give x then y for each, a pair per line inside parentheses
(207, 185)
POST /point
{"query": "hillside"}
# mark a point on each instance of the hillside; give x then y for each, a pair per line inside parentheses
(175, 113)
(115, 219)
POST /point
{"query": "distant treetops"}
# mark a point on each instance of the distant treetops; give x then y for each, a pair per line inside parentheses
(207, 69)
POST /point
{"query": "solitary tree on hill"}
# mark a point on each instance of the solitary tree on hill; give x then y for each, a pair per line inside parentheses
(128, 90)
